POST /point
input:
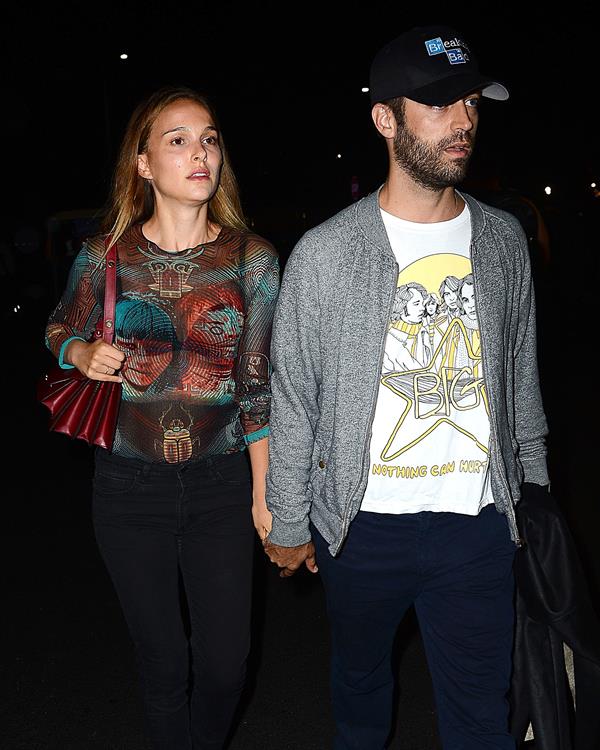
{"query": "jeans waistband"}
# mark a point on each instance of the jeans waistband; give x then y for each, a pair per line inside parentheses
(111, 459)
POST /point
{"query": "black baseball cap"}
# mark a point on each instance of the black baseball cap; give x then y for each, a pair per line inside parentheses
(432, 65)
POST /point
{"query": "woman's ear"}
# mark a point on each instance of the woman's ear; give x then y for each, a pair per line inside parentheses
(144, 167)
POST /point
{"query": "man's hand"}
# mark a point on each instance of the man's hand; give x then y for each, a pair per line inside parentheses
(289, 559)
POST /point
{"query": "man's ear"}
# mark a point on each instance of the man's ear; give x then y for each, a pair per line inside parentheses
(384, 120)
(144, 167)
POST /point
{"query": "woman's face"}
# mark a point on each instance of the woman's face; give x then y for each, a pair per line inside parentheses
(431, 307)
(183, 158)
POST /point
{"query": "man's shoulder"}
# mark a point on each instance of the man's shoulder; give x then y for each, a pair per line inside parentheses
(500, 220)
(326, 240)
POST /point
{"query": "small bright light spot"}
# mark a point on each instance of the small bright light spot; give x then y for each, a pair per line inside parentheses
(547, 190)
(339, 156)
(593, 185)
(365, 89)
(16, 309)
(124, 56)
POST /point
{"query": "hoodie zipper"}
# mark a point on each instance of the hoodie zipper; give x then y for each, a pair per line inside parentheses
(366, 444)
(495, 445)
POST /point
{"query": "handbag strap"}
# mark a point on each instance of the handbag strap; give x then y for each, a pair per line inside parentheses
(110, 295)
(105, 328)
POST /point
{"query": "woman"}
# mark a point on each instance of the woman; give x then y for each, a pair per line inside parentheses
(174, 503)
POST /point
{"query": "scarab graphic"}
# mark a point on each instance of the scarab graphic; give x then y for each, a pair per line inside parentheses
(177, 445)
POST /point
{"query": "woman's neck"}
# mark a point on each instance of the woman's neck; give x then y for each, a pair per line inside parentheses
(179, 228)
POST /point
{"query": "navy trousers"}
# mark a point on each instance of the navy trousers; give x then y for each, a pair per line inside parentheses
(457, 571)
(163, 528)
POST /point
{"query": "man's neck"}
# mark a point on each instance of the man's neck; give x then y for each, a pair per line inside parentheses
(401, 196)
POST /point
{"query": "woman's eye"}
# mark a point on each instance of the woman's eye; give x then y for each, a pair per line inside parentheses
(177, 141)
(211, 140)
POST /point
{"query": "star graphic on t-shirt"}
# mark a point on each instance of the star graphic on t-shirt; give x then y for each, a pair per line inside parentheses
(442, 391)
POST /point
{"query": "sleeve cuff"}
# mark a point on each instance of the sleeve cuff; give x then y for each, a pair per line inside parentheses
(61, 354)
(253, 437)
(535, 472)
(289, 534)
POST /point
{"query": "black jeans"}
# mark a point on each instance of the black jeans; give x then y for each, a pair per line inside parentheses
(156, 524)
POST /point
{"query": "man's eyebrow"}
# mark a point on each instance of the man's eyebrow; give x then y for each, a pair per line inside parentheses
(180, 128)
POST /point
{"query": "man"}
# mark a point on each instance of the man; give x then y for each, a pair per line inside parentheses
(407, 345)
(402, 485)
(449, 295)
(463, 342)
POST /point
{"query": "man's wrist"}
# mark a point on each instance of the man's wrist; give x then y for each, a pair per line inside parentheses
(289, 534)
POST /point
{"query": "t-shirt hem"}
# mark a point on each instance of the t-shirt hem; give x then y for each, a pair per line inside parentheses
(397, 509)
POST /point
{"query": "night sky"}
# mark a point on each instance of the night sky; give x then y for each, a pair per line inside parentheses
(286, 81)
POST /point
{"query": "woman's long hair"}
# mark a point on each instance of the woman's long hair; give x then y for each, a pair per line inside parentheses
(132, 197)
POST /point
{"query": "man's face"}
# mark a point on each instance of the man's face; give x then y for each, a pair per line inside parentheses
(434, 144)
(415, 308)
(467, 296)
(450, 298)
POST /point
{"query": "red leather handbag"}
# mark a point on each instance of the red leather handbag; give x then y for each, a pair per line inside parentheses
(80, 407)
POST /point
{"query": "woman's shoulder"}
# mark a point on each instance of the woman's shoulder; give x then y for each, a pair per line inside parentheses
(95, 246)
(99, 244)
(248, 243)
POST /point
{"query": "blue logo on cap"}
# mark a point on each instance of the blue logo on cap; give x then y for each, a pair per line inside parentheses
(435, 46)
(455, 56)
(455, 53)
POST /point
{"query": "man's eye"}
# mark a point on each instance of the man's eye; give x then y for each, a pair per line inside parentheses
(438, 108)
(472, 102)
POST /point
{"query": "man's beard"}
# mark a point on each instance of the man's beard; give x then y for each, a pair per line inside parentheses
(424, 161)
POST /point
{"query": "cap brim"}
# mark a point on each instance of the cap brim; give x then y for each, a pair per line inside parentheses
(454, 87)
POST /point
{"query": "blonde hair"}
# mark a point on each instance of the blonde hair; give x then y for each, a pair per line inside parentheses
(132, 197)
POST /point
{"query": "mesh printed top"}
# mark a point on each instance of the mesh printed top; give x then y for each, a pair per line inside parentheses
(195, 326)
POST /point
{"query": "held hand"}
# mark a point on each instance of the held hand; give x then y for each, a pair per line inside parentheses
(97, 360)
(289, 559)
(262, 517)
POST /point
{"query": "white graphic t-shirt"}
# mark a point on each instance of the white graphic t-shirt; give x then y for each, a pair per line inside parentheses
(430, 440)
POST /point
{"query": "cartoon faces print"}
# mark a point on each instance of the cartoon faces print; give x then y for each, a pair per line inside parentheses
(449, 289)
(433, 317)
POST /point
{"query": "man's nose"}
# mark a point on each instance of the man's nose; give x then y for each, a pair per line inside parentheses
(461, 116)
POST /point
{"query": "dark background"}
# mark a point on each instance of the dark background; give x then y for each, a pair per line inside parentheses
(286, 81)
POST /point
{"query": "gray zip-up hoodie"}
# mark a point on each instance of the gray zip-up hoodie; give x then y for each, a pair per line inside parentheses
(328, 341)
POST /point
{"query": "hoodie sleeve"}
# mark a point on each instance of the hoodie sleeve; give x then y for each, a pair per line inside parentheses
(295, 383)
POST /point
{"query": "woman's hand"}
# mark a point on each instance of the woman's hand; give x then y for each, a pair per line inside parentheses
(262, 517)
(259, 459)
(96, 360)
